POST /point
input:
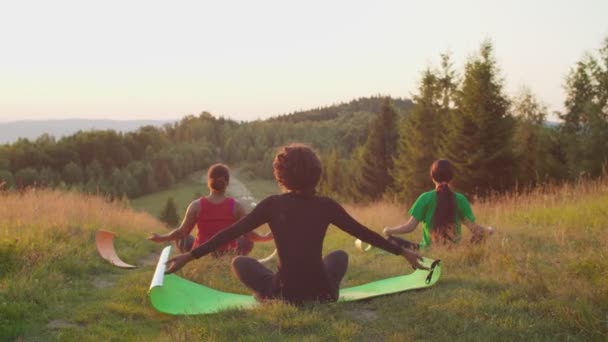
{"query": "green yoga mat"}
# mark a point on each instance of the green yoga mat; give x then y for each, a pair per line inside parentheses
(174, 295)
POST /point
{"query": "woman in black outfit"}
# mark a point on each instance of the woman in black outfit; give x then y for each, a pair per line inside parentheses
(298, 220)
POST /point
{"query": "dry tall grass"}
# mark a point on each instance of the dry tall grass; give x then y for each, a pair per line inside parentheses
(38, 212)
(550, 251)
(543, 275)
(47, 251)
(39, 228)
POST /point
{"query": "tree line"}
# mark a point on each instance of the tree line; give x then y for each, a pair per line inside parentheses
(371, 147)
(152, 158)
(496, 143)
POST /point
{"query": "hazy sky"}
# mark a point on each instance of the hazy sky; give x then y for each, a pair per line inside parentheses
(253, 59)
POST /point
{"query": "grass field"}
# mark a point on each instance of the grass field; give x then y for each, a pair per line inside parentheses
(261, 188)
(543, 276)
(183, 192)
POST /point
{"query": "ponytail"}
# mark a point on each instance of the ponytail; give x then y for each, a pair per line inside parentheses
(444, 218)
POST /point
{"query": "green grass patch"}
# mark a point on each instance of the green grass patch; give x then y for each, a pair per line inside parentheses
(261, 188)
(543, 276)
(183, 192)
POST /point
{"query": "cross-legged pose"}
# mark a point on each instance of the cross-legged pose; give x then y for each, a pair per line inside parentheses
(298, 220)
(442, 210)
(212, 214)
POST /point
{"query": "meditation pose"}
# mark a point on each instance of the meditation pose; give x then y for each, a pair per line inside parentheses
(298, 220)
(211, 215)
(442, 210)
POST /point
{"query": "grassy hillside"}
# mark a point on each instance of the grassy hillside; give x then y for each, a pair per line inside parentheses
(542, 276)
(186, 190)
(183, 192)
(51, 277)
(345, 110)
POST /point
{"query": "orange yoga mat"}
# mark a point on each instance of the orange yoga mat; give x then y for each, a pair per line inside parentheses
(105, 245)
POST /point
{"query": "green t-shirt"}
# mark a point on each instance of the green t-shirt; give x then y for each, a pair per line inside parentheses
(424, 209)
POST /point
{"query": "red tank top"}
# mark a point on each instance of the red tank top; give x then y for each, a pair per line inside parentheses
(213, 218)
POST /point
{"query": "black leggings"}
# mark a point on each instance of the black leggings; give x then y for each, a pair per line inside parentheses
(261, 280)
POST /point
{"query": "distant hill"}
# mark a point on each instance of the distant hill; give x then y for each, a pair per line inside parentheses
(365, 104)
(32, 129)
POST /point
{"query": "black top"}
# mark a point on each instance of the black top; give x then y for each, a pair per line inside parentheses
(298, 224)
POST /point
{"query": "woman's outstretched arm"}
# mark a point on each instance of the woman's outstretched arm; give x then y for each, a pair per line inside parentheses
(184, 229)
(405, 228)
(341, 219)
(239, 213)
(479, 232)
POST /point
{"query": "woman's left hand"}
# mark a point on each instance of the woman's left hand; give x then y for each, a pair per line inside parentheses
(413, 259)
(176, 263)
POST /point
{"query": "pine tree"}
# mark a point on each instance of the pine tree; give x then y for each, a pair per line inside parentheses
(376, 159)
(417, 145)
(331, 175)
(169, 213)
(585, 129)
(479, 132)
(390, 136)
(447, 84)
(579, 97)
(372, 175)
(422, 129)
(531, 138)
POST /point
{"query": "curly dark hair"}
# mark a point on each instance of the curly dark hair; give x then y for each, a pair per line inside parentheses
(297, 167)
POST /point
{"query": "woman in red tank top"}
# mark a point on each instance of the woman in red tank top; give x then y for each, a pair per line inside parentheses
(212, 214)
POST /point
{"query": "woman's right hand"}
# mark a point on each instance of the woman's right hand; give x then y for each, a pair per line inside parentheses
(155, 237)
(413, 259)
(177, 262)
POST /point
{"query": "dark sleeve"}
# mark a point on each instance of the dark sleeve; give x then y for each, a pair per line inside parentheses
(341, 219)
(257, 217)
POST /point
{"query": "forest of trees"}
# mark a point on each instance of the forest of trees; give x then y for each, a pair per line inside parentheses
(153, 158)
(371, 148)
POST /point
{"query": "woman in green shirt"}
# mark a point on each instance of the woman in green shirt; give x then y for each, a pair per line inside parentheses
(442, 210)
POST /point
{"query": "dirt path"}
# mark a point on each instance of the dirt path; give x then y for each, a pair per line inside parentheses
(239, 191)
(236, 189)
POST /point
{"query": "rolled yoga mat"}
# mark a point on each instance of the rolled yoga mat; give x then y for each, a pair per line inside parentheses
(174, 295)
(104, 241)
